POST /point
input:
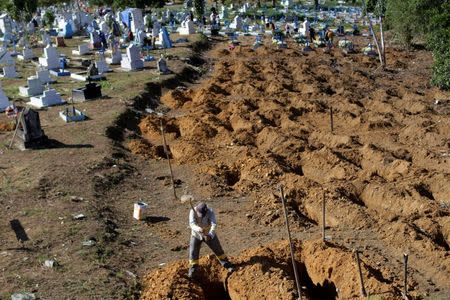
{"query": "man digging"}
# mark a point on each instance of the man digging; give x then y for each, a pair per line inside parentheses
(202, 221)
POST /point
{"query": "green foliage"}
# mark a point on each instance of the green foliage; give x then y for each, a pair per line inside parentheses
(49, 18)
(429, 19)
(199, 6)
(439, 43)
(441, 69)
(21, 10)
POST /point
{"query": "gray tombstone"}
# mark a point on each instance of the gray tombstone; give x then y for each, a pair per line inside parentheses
(30, 132)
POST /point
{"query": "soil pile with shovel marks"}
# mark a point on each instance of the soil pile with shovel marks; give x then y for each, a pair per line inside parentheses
(266, 273)
(263, 118)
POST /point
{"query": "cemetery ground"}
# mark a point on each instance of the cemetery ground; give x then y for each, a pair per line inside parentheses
(257, 119)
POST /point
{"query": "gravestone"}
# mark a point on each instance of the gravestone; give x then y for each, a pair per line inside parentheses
(29, 130)
(33, 88)
(5, 24)
(8, 65)
(44, 76)
(187, 27)
(140, 36)
(164, 38)
(237, 23)
(67, 31)
(60, 42)
(46, 40)
(90, 91)
(27, 54)
(162, 66)
(71, 114)
(305, 28)
(132, 60)
(50, 59)
(83, 49)
(104, 27)
(116, 56)
(50, 97)
(94, 40)
(101, 64)
(4, 101)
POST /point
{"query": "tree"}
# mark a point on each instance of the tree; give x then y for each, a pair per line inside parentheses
(20, 10)
(316, 4)
(429, 20)
(199, 6)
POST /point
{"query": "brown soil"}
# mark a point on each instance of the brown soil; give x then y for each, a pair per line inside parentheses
(262, 118)
(326, 270)
(7, 127)
(259, 118)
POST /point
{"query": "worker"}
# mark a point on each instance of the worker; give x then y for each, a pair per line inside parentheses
(329, 36)
(312, 35)
(202, 221)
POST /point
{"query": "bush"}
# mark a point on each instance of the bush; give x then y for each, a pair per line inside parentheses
(441, 70)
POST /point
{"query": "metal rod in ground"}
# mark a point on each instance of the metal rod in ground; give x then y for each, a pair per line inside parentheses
(361, 281)
(405, 260)
(331, 120)
(323, 215)
(168, 158)
(294, 265)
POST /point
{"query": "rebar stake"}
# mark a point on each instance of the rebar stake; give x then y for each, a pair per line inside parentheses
(323, 216)
(168, 159)
(297, 280)
(405, 260)
(361, 280)
(331, 120)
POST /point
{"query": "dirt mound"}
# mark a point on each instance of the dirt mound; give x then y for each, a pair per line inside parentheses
(7, 127)
(263, 117)
(326, 271)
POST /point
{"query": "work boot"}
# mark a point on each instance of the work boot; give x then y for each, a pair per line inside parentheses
(229, 266)
(191, 272)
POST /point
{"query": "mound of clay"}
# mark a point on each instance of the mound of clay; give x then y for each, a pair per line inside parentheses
(326, 272)
(7, 127)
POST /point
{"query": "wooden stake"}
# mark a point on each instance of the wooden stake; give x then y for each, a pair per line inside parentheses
(361, 281)
(168, 159)
(297, 279)
(380, 56)
(331, 120)
(383, 52)
(15, 131)
(405, 290)
(323, 215)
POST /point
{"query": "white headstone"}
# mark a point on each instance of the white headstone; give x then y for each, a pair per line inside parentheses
(44, 76)
(305, 29)
(132, 60)
(187, 27)
(82, 50)
(101, 64)
(33, 88)
(27, 54)
(162, 66)
(49, 98)
(50, 59)
(4, 101)
(137, 21)
(237, 23)
(104, 27)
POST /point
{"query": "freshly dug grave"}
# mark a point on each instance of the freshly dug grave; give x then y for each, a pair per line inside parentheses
(262, 118)
(326, 272)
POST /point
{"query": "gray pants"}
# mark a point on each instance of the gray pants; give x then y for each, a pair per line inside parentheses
(213, 244)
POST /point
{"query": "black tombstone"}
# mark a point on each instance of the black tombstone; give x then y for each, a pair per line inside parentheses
(90, 91)
(29, 130)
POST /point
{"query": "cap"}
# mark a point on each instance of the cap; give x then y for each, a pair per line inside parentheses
(201, 208)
